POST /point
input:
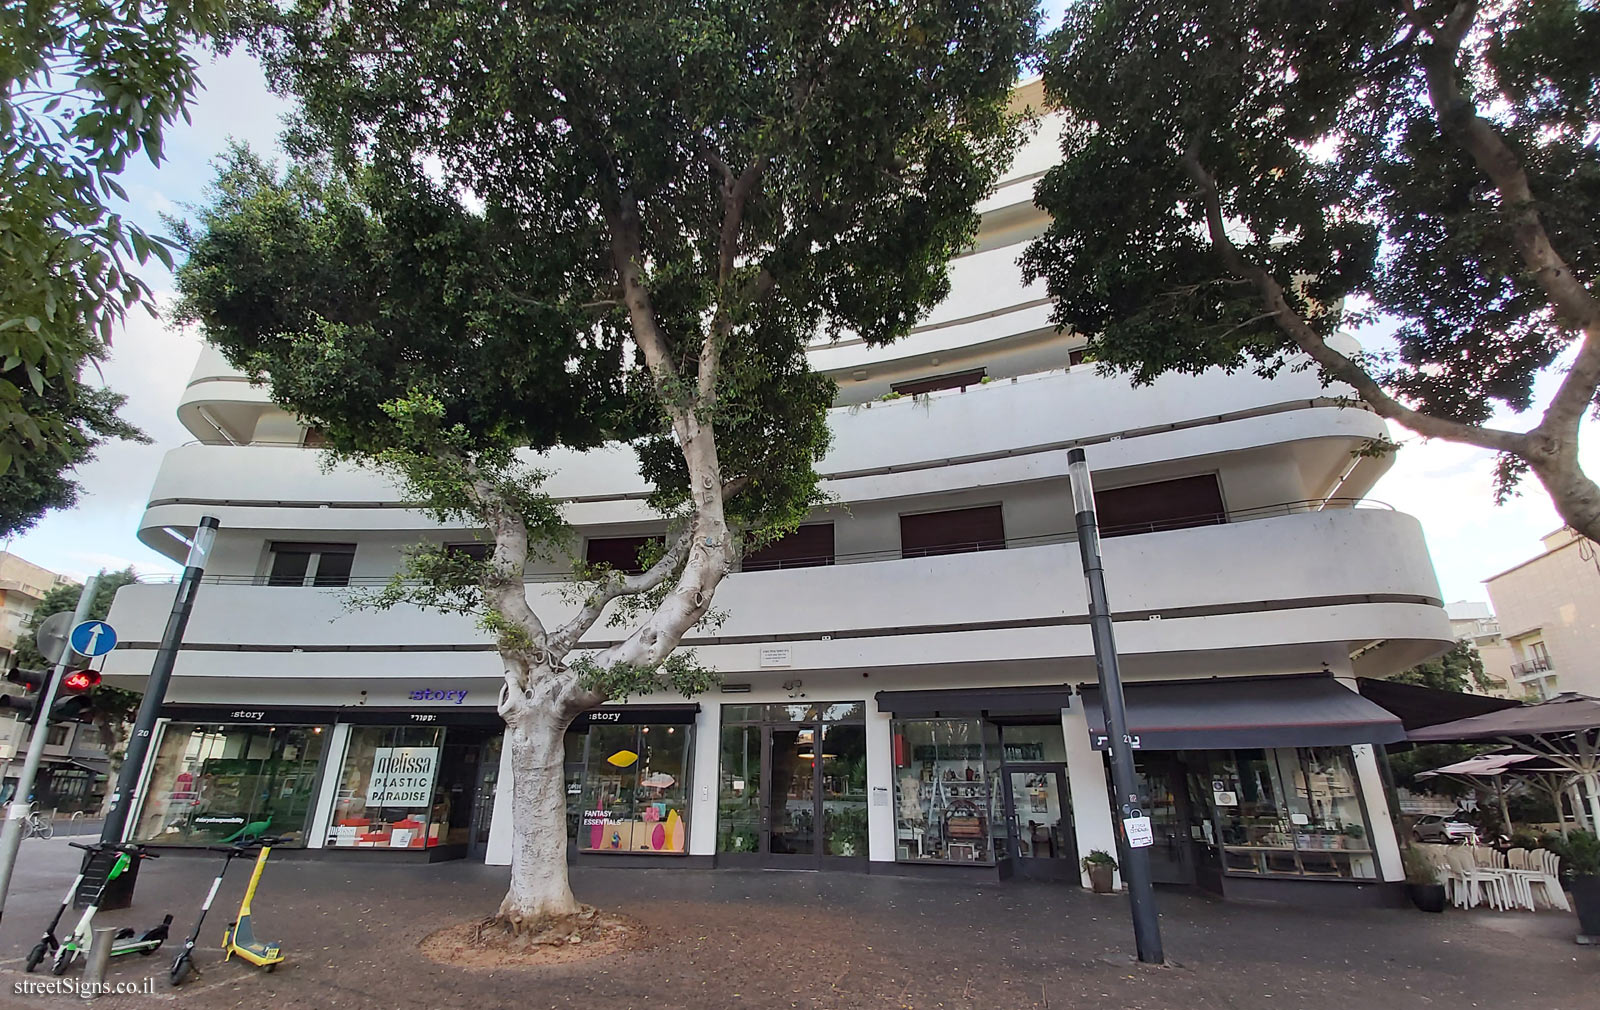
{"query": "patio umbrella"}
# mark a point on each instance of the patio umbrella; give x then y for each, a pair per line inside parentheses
(1564, 731)
(1492, 770)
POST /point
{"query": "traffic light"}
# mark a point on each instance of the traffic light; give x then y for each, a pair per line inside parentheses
(26, 706)
(72, 702)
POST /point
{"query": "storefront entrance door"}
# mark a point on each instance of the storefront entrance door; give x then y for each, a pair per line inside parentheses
(1039, 815)
(1165, 787)
(792, 793)
(483, 798)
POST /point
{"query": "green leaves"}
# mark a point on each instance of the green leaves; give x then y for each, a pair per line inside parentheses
(1315, 121)
(82, 85)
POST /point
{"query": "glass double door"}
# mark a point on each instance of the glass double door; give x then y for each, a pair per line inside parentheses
(792, 794)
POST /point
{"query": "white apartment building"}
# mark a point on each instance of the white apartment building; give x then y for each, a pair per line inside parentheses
(907, 682)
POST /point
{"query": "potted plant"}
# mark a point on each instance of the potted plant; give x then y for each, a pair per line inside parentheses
(1422, 881)
(1100, 866)
(1580, 864)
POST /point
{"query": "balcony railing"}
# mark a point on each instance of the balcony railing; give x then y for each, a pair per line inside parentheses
(895, 554)
(1532, 668)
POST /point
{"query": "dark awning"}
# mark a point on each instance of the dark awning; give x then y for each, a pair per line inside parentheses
(1047, 699)
(1425, 706)
(1565, 713)
(1301, 710)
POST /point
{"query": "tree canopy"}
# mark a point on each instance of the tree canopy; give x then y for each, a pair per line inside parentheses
(84, 86)
(1459, 670)
(1241, 180)
(513, 229)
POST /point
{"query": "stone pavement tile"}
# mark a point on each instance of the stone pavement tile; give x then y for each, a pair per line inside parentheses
(816, 941)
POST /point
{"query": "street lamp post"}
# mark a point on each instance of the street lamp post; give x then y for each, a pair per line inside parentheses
(155, 691)
(1134, 825)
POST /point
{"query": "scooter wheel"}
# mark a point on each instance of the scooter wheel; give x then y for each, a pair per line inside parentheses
(62, 960)
(35, 956)
(272, 967)
(181, 967)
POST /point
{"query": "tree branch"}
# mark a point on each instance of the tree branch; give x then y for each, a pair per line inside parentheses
(1338, 365)
(615, 585)
(1573, 302)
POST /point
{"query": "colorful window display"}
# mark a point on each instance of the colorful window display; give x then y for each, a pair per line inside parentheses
(386, 795)
(943, 811)
(212, 783)
(635, 788)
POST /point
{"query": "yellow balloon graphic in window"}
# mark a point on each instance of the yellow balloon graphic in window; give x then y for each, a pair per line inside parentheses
(622, 758)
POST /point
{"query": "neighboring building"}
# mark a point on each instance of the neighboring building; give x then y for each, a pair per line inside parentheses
(1549, 609)
(73, 773)
(22, 585)
(901, 677)
(1472, 621)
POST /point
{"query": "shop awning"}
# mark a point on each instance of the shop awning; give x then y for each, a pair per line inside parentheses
(1048, 699)
(637, 715)
(1300, 710)
(1419, 706)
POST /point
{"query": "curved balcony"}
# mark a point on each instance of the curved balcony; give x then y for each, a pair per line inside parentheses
(1286, 592)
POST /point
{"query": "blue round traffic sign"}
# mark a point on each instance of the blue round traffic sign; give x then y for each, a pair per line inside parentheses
(92, 638)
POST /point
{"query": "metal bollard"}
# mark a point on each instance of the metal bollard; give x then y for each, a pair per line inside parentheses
(94, 974)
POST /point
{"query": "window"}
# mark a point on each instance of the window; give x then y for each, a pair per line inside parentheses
(315, 438)
(942, 808)
(1291, 813)
(954, 380)
(621, 553)
(953, 532)
(386, 796)
(806, 547)
(636, 788)
(1162, 505)
(311, 564)
(56, 736)
(1077, 356)
(209, 783)
(477, 551)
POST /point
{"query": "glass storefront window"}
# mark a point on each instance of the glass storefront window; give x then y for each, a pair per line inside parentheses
(635, 789)
(387, 796)
(942, 809)
(1291, 812)
(217, 783)
(1034, 743)
(844, 789)
(739, 791)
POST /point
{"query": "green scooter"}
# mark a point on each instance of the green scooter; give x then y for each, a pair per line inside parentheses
(125, 942)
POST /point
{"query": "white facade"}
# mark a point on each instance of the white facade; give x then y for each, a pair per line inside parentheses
(1291, 577)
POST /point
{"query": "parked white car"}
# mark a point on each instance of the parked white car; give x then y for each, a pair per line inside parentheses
(1438, 828)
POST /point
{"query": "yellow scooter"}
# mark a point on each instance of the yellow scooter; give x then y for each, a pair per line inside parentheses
(239, 939)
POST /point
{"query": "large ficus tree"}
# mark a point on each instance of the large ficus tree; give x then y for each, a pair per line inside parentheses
(546, 224)
(1238, 176)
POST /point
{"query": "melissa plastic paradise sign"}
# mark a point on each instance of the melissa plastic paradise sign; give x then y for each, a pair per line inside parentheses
(1140, 833)
(402, 776)
(92, 638)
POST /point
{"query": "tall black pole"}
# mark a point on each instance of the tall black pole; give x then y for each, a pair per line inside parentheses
(1135, 858)
(155, 691)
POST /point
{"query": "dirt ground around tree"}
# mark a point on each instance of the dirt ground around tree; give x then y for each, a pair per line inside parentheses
(819, 941)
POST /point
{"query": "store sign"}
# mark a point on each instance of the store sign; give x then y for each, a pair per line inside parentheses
(432, 694)
(402, 776)
(774, 655)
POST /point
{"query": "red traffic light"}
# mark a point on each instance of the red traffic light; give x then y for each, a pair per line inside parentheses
(79, 681)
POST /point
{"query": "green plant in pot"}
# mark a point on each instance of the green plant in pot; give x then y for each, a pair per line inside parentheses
(1100, 866)
(1580, 866)
(1422, 880)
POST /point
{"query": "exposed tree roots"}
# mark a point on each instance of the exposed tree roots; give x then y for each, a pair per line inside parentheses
(497, 942)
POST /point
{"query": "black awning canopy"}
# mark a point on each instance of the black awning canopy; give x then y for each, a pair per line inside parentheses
(1419, 706)
(1048, 699)
(1299, 710)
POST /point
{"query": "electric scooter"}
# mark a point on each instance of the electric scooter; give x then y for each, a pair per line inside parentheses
(48, 944)
(239, 939)
(183, 964)
(78, 944)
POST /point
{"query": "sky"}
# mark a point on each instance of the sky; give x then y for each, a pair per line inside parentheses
(1446, 486)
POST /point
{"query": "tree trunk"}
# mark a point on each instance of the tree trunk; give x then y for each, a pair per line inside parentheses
(1575, 496)
(539, 888)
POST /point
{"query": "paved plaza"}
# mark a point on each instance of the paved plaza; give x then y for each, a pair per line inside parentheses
(719, 939)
